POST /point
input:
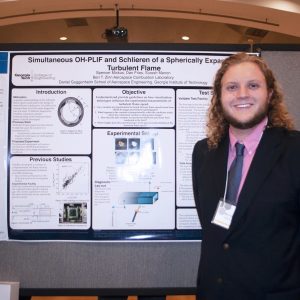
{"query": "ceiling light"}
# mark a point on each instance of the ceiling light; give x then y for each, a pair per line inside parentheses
(185, 38)
(63, 38)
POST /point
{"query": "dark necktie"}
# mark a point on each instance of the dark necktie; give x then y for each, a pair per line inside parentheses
(235, 174)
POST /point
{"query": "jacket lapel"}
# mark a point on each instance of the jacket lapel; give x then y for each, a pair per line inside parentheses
(267, 153)
(217, 168)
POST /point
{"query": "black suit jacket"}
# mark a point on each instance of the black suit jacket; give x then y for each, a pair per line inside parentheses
(258, 257)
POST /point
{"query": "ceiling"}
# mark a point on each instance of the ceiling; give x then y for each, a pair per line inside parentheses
(151, 21)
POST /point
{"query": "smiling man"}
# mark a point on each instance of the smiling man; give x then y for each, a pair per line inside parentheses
(246, 181)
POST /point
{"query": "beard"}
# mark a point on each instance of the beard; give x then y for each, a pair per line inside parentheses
(256, 119)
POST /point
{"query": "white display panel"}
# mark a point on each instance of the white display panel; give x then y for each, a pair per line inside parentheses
(153, 69)
(133, 179)
(51, 121)
(134, 107)
(50, 192)
(192, 105)
(100, 143)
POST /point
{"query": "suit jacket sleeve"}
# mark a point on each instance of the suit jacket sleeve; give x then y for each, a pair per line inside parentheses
(198, 156)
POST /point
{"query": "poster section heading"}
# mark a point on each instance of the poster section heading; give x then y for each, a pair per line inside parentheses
(115, 70)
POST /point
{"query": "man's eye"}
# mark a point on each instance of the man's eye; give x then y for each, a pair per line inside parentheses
(231, 88)
(253, 86)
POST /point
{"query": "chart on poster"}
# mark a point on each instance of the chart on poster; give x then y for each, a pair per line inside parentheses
(99, 142)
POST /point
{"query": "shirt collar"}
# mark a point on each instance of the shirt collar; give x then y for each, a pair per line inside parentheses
(252, 140)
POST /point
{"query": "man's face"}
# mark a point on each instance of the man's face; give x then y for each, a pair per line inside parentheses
(244, 95)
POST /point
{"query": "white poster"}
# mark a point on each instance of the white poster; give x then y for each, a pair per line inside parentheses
(101, 142)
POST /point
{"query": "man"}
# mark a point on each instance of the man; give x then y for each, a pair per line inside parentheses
(251, 243)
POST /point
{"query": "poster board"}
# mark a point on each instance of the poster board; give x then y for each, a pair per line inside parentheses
(163, 267)
(99, 142)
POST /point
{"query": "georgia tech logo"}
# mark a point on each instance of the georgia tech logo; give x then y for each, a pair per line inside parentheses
(23, 76)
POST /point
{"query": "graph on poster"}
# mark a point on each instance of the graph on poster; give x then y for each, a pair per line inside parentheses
(73, 178)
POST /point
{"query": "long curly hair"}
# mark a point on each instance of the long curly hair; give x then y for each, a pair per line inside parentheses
(278, 115)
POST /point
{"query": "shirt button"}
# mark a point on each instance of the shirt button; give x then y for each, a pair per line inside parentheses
(225, 246)
(220, 280)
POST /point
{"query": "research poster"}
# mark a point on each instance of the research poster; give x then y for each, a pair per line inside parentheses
(97, 144)
(4, 88)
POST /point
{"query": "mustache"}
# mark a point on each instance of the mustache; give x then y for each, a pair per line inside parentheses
(256, 119)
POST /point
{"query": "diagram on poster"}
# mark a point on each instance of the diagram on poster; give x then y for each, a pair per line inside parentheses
(133, 181)
(70, 111)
